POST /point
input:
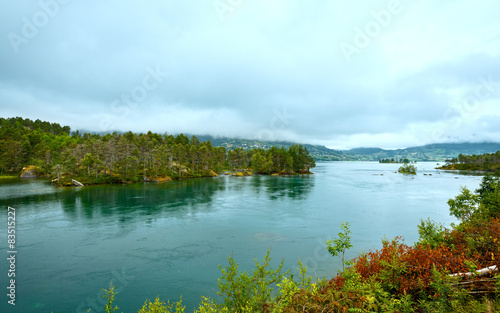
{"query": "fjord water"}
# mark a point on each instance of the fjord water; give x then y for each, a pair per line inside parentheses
(167, 239)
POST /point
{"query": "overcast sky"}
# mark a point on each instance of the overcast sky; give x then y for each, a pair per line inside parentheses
(339, 73)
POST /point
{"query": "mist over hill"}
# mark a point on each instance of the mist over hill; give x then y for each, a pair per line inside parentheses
(432, 152)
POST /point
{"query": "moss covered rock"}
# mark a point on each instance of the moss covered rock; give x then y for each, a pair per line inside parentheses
(30, 172)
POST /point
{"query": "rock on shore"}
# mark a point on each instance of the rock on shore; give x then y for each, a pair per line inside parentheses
(29, 172)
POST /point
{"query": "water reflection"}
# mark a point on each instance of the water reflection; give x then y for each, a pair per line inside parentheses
(293, 187)
(162, 236)
(177, 198)
(465, 173)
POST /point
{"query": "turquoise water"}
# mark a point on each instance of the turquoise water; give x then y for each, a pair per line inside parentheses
(168, 239)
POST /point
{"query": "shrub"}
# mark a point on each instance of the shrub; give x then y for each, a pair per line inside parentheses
(339, 245)
(408, 169)
(242, 292)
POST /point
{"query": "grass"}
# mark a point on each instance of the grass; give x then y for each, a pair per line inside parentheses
(5, 176)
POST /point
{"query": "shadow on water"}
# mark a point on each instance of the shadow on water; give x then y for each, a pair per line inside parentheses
(293, 187)
(110, 200)
(466, 173)
(175, 199)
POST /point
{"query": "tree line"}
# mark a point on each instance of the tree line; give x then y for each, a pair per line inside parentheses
(130, 157)
(489, 162)
(394, 161)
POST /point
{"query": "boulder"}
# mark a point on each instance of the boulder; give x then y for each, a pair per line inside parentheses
(163, 179)
(213, 174)
(29, 172)
(157, 179)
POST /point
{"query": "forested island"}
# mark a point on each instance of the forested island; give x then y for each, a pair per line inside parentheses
(488, 162)
(408, 169)
(39, 148)
(398, 161)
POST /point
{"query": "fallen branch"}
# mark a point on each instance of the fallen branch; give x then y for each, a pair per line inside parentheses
(479, 292)
(469, 282)
(77, 183)
(481, 272)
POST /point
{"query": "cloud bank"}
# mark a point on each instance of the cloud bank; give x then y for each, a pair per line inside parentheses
(384, 73)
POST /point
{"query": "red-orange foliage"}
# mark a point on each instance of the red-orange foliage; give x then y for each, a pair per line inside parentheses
(404, 269)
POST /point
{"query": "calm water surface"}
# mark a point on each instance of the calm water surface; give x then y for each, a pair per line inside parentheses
(168, 239)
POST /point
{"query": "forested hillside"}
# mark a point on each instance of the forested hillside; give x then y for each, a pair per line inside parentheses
(318, 152)
(489, 162)
(113, 158)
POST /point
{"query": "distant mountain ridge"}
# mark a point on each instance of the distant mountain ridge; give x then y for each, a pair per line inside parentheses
(432, 152)
(319, 153)
(438, 152)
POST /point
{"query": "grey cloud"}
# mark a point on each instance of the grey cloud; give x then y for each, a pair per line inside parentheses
(266, 56)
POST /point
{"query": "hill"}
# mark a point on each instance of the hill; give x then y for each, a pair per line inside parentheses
(432, 152)
(318, 152)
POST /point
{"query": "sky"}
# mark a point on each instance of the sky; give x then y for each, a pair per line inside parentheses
(343, 74)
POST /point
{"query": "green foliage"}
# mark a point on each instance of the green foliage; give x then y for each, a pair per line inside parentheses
(394, 161)
(489, 196)
(129, 157)
(392, 268)
(109, 295)
(210, 306)
(242, 292)
(286, 295)
(482, 205)
(402, 303)
(465, 205)
(338, 246)
(489, 162)
(261, 164)
(442, 295)
(161, 307)
(430, 233)
(408, 169)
